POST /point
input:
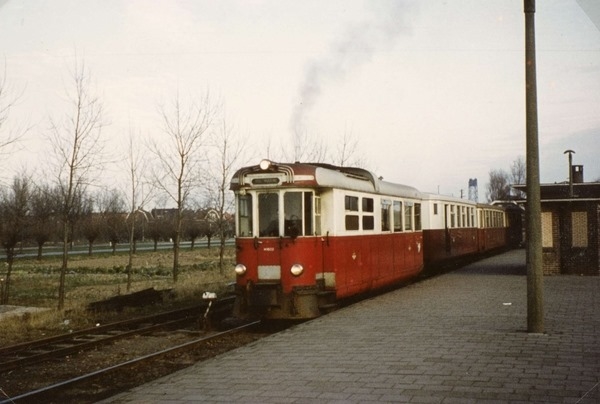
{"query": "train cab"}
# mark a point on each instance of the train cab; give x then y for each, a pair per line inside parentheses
(308, 235)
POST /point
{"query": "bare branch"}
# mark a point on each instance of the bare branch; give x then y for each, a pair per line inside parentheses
(8, 136)
(77, 152)
(180, 157)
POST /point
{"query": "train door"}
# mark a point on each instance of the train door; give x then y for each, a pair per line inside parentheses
(269, 228)
(447, 226)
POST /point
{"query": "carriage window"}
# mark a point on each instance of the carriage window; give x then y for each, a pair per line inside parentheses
(397, 216)
(245, 215)
(351, 203)
(308, 210)
(368, 221)
(268, 214)
(317, 214)
(435, 208)
(292, 210)
(452, 216)
(417, 216)
(385, 215)
(408, 211)
(297, 209)
(351, 222)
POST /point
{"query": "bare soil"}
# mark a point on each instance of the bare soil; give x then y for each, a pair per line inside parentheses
(34, 285)
(37, 376)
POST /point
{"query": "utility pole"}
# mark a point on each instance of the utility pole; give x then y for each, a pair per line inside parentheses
(535, 276)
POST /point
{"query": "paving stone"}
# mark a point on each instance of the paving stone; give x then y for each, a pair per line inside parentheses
(455, 338)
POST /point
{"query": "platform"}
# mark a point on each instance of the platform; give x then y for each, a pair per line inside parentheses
(455, 338)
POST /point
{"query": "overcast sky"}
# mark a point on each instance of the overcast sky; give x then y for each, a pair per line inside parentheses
(434, 91)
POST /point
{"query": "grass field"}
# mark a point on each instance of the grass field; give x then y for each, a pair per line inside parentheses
(92, 278)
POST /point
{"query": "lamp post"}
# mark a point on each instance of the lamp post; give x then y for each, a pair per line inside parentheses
(535, 306)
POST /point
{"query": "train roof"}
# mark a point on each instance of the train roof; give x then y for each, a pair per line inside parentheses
(455, 200)
(318, 175)
(447, 198)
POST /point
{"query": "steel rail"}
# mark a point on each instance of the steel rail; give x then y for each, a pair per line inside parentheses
(77, 345)
(84, 345)
(94, 330)
(38, 394)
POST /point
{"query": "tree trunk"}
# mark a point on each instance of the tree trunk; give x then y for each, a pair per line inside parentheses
(131, 251)
(39, 253)
(63, 268)
(6, 286)
(176, 257)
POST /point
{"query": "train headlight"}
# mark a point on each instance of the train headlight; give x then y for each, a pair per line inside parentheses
(240, 269)
(297, 269)
(265, 164)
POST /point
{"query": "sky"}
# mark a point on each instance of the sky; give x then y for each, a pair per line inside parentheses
(433, 91)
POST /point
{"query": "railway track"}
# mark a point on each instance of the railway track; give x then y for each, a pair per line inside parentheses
(28, 353)
(71, 390)
(43, 370)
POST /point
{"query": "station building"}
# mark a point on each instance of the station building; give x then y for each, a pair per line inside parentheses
(570, 225)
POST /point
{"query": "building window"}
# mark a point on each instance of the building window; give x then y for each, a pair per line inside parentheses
(547, 233)
(579, 234)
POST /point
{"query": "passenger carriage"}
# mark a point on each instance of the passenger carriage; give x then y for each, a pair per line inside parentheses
(455, 228)
(311, 234)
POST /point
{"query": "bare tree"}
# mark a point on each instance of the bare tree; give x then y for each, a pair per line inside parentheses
(307, 148)
(179, 158)
(347, 151)
(498, 189)
(155, 231)
(518, 171)
(77, 152)
(193, 230)
(227, 154)
(43, 210)
(8, 136)
(112, 209)
(136, 167)
(14, 210)
(91, 223)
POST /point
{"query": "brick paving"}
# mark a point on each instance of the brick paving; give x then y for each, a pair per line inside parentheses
(456, 338)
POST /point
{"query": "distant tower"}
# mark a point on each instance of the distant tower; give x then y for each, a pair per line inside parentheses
(473, 192)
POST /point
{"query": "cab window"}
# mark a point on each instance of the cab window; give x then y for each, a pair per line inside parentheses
(268, 214)
(245, 216)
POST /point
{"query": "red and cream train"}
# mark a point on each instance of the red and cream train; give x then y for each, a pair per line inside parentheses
(308, 235)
